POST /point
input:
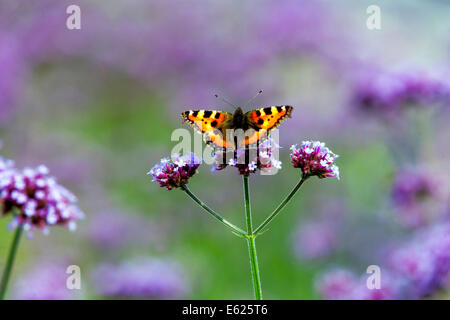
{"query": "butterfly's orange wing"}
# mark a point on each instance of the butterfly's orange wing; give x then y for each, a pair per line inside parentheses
(209, 123)
(263, 120)
(213, 124)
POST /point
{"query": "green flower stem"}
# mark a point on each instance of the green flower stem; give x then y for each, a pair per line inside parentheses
(228, 224)
(9, 263)
(251, 243)
(260, 229)
(255, 268)
(248, 210)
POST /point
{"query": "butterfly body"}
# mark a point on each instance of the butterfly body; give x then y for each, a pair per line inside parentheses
(216, 125)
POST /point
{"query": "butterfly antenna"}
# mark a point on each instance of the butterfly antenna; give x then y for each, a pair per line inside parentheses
(226, 101)
(259, 92)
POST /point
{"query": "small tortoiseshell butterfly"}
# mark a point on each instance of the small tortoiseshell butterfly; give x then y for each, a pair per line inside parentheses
(214, 124)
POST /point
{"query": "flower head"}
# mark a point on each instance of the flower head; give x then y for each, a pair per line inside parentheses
(342, 284)
(412, 186)
(45, 280)
(175, 172)
(437, 242)
(415, 264)
(315, 159)
(423, 263)
(337, 284)
(388, 290)
(388, 93)
(413, 191)
(249, 161)
(35, 199)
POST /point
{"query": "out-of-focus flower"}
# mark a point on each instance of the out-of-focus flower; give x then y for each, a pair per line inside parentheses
(388, 290)
(338, 284)
(364, 293)
(141, 278)
(411, 191)
(387, 93)
(416, 266)
(421, 266)
(415, 269)
(424, 264)
(412, 186)
(176, 172)
(342, 284)
(314, 159)
(36, 200)
(437, 242)
(249, 161)
(45, 281)
(315, 239)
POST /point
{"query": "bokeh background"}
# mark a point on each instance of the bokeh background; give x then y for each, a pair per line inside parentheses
(98, 106)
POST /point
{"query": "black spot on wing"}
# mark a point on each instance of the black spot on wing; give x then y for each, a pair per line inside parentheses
(258, 113)
(268, 111)
(217, 116)
(279, 109)
(260, 121)
(195, 113)
(207, 114)
(214, 123)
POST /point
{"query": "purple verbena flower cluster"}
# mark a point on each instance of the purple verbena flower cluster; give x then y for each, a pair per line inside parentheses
(337, 284)
(175, 172)
(411, 191)
(424, 262)
(314, 159)
(412, 186)
(35, 199)
(248, 161)
(387, 93)
(413, 270)
(45, 280)
(342, 284)
(141, 278)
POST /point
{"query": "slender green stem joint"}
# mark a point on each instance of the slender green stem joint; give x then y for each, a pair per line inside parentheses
(251, 243)
(9, 263)
(217, 216)
(281, 206)
(248, 210)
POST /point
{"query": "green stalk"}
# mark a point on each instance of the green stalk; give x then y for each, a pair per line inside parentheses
(259, 230)
(9, 263)
(217, 216)
(251, 243)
